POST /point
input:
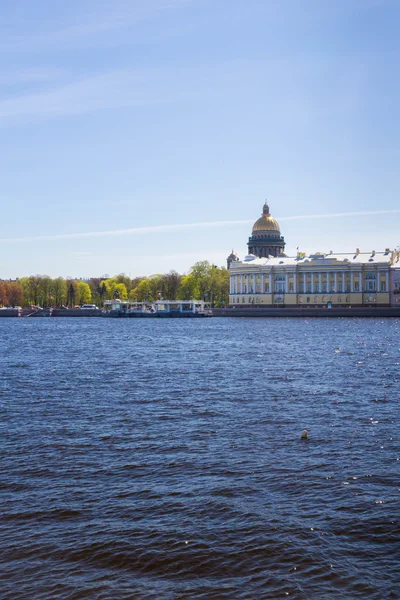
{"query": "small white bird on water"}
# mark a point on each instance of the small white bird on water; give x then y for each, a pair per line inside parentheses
(304, 435)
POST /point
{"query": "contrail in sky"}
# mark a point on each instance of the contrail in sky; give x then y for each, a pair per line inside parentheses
(182, 226)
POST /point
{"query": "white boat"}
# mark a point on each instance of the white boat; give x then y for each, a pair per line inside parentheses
(160, 309)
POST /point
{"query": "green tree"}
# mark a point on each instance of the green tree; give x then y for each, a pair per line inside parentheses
(44, 283)
(84, 293)
(26, 290)
(72, 293)
(219, 285)
(106, 289)
(189, 288)
(157, 286)
(59, 291)
(122, 278)
(119, 291)
(34, 289)
(143, 291)
(201, 271)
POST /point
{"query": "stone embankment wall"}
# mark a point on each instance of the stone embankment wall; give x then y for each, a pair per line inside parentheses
(307, 312)
(77, 312)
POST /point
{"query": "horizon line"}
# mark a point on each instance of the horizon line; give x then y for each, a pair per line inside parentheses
(177, 226)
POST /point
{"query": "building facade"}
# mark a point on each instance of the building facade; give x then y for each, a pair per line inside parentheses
(355, 279)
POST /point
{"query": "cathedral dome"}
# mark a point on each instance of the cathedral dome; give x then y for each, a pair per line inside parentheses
(266, 222)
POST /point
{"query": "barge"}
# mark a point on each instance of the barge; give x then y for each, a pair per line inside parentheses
(160, 309)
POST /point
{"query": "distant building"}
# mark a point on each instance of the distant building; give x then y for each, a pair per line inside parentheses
(267, 277)
(233, 257)
(266, 239)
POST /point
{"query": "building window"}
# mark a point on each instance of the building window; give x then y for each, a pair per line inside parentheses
(279, 286)
(371, 286)
(383, 286)
(291, 287)
(266, 286)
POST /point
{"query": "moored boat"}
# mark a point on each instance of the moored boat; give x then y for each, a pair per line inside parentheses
(159, 309)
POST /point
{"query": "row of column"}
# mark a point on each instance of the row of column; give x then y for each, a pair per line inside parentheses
(238, 287)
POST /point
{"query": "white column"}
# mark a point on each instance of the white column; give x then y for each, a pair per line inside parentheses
(351, 281)
(241, 284)
(230, 284)
(312, 282)
(295, 282)
(343, 282)
(262, 283)
(328, 289)
(270, 283)
(387, 281)
(320, 282)
(335, 282)
(286, 283)
(305, 282)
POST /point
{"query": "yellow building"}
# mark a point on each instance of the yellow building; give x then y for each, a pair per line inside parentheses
(334, 279)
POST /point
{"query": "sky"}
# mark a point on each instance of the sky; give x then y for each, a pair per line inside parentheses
(141, 136)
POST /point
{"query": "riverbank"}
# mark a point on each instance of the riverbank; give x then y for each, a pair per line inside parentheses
(230, 312)
(308, 312)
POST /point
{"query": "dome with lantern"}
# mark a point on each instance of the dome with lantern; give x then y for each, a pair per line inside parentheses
(266, 239)
(266, 222)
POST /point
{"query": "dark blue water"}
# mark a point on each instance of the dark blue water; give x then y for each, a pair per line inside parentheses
(162, 458)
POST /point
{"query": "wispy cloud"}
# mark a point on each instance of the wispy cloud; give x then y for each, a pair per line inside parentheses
(183, 226)
(110, 90)
(88, 24)
(362, 213)
(114, 89)
(31, 75)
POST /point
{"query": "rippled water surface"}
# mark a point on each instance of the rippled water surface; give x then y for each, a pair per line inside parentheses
(162, 458)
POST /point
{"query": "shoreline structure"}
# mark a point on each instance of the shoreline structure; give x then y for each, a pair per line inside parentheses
(266, 283)
(269, 279)
(250, 312)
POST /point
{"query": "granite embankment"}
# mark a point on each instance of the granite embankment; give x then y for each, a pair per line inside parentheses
(308, 312)
(77, 312)
(231, 312)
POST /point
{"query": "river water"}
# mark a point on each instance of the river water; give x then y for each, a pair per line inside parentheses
(162, 459)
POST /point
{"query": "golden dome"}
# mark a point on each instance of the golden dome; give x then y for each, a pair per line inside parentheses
(266, 222)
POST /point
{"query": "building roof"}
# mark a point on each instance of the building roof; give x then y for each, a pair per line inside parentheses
(324, 260)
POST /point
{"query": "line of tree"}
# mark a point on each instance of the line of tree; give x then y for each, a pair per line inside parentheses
(203, 282)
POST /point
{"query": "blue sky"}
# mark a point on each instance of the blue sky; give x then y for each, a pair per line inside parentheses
(160, 126)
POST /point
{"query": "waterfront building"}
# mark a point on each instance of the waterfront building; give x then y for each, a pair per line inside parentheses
(269, 279)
